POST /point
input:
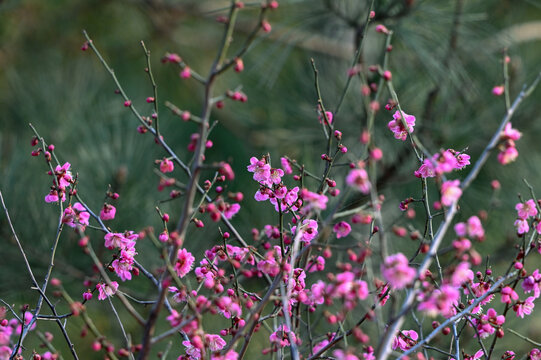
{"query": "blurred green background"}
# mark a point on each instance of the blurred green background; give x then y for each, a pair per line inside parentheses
(46, 80)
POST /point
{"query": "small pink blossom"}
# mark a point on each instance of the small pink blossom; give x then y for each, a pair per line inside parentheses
(215, 342)
(282, 336)
(308, 230)
(462, 274)
(396, 270)
(527, 209)
(342, 229)
(524, 307)
(509, 133)
(107, 212)
(508, 155)
(106, 290)
(522, 226)
(166, 166)
(440, 301)
(76, 215)
(398, 127)
(450, 192)
(286, 165)
(509, 295)
(358, 179)
(405, 340)
(231, 210)
(184, 262)
(261, 170)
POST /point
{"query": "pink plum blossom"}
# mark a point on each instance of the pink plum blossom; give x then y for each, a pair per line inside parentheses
(342, 229)
(524, 307)
(396, 270)
(358, 179)
(405, 340)
(527, 209)
(166, 166)
(450, 192)
(286, 166)
(308, 230)
(398, 127)
(106, 290)
(107, 212)
(184, 262)
(261, 170)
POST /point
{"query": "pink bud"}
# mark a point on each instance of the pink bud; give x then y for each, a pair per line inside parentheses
(239, 65)
(387, 75)
(382, 29)
(185, 73)
(498, 90)
(376, 154)
(273, 4)
(372, 14)
(150, 99)
(127, 103)
(265, 26)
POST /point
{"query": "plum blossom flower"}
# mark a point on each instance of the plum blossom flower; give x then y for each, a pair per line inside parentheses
(485, 326)
(358, 179)
(282, 336)
(166, 166)
(396, 270)
(308, 230)
(532, 282)
(231, 210)
(106, 290)
(184, 262)
(527, 209)
(472, 228)
(312, 201)
(509, 295)
(286, 165)
(450, 192)
(462, 274)
(405, 340)
(522, 226)
(261, 170)
(215, 342)
(508, 153)
(76, 215)
(440, 301)
(524, 307)
(63, 175)
(342, 229)
(107, 212)
(508, 133)
(399, 123)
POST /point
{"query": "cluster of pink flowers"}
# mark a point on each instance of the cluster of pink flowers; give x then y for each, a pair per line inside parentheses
(63, 179)
(76, 215)
(508, 151)
(524, 212)
(443, 162)
(472, 228)
(396, 270)
(123, 264)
